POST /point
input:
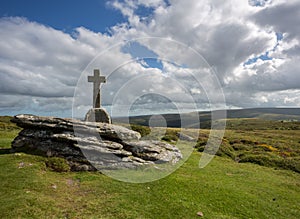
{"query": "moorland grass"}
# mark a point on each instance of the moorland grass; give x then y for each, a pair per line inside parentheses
(223, 189)
(273, 148)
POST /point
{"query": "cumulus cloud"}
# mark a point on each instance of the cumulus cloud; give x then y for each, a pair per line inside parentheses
(199, 45)
(218, 30)
(281, 16)
(228, 34)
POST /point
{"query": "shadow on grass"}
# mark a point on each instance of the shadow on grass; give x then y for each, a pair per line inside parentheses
(22, 150)
(5, 151)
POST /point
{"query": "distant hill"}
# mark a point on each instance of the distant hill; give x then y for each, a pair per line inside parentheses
(191, 120)
(266, 113)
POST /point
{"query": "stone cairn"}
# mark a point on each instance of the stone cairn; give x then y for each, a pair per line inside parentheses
(88, 146)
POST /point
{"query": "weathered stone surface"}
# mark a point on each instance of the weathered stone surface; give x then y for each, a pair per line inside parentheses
(156, 151)
(25, 121)
(89, 146)
(58, 125)
(97, 115)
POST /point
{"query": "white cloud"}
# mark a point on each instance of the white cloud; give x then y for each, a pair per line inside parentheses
(38, 60)
(40, 66)
(218, 30)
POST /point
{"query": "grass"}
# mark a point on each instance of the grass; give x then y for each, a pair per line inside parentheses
(223, 189)
(273, 148)
(251, 124)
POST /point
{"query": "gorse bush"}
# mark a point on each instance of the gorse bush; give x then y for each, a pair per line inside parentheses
(200, 145)
(170, 136)
(226, 150)
(291, 164)
(261, 159)
(143, 130)
(271, 160)
(252, 150)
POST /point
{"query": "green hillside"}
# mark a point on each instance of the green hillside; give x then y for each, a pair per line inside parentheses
(224, 189)
(191, 120)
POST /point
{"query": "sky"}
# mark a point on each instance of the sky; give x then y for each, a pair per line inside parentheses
(159, 56)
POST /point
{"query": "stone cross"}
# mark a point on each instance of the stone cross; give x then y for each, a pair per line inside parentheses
(97, 80)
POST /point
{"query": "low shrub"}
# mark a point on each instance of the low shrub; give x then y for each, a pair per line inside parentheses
(143, 130)
(272, 161)
(260, 159)
(240, 147)
(58, 164)
(249, 142)
(290, 163)
(200, 145)
(226, 151)
(170, 136)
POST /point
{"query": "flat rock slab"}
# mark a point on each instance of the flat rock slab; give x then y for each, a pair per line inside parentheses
(105, 130)
(90, 145)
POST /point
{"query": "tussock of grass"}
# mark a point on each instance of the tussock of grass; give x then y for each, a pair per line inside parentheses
(57, 164)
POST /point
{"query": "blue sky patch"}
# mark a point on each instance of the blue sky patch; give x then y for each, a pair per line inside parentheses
(264, 57)
(279, 36)
(64, 15)
(140, 52)
(257, 3)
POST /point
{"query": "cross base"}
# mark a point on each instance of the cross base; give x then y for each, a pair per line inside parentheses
(97, 115)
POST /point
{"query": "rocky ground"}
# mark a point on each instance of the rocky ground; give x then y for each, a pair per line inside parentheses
(88, 145)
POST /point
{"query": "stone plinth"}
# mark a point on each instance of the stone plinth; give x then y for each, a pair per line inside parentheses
(97, 115)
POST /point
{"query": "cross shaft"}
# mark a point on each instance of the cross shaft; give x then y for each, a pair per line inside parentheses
(97, 80)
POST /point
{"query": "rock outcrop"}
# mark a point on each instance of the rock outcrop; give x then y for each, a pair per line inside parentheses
(88, 145)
